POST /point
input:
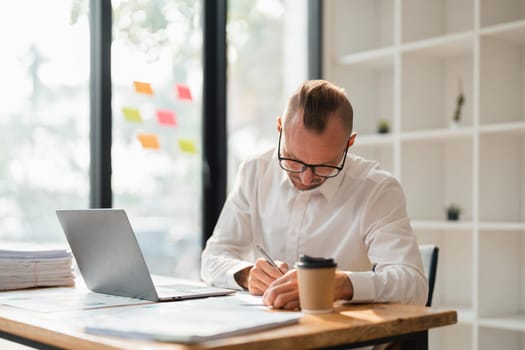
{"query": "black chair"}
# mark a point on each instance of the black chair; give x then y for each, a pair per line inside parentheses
(429, 255)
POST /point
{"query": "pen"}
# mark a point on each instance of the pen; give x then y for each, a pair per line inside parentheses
(268, 258)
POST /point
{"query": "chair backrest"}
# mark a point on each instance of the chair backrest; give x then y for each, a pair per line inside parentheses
(429, 255)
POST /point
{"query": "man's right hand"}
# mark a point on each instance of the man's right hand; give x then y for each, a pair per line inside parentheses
(257, 278)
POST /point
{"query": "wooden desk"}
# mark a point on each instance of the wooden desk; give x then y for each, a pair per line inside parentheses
(349, 324)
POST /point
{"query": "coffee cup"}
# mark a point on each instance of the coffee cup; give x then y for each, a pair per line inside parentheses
(316, 277)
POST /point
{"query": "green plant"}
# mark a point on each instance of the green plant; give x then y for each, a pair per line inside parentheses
(383, 127)
(453, 211)
(460, 100)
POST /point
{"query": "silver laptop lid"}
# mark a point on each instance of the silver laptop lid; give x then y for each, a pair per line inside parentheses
(107, 252)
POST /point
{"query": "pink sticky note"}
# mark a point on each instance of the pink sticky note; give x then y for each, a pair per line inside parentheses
(183, 92)
(166, 117)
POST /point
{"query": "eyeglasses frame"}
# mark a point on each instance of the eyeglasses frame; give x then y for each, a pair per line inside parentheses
(311, 166)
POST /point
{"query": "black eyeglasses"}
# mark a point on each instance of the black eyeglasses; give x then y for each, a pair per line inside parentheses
(296, 166)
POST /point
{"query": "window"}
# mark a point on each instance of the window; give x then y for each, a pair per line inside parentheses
(267, 61)
(156, 151)
(156, 103)
(44, 116)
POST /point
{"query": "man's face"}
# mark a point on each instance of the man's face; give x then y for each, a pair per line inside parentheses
(306, 146)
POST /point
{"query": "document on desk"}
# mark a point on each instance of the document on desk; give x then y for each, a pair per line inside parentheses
(191, 321)
(63, 299)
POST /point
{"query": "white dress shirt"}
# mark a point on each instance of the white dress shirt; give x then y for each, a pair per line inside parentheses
(358, 218)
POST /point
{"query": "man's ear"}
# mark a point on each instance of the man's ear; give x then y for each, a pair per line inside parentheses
(351, 140)
(279, 124)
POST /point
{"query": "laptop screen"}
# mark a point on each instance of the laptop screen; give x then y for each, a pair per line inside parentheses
(107, 252)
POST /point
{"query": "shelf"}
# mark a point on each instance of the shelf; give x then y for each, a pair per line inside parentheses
(457, 337)
(378, 148)
(502, 281)
(371, 94)
(430, 88)
(454, 282)
(374, 140)
(374, 60)
(514, 322)
(414, 78)
(510, 32)
(441, 225)
(434, 174)
(502, 75)
(502, 226)
(501, 11)
(428, 19)
(494, 338)
(437, 134)
(517, 128)
(448, 46)
(359, 25)
(502, 201)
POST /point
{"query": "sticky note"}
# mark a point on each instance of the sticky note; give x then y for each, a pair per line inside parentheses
(166, 117)
(183, 92)
(148, 140)
(132, 114)
(143, 88)
(187, 146)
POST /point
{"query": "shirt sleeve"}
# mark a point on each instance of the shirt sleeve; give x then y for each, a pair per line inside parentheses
(393, 250)
(229, 249)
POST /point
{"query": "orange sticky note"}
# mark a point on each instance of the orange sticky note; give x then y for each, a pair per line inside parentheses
(148, 140)
(187, 146)
(166, 117)
(143, 88)
(183, 92)
(132, 114)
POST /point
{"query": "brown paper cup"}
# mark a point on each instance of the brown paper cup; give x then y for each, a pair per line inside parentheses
(316, 289)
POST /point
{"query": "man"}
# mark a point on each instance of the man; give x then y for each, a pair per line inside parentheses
(309, 196)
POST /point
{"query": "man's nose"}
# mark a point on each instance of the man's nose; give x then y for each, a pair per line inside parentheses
(307, 176)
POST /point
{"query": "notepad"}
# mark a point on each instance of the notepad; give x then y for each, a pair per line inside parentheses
(191, 321)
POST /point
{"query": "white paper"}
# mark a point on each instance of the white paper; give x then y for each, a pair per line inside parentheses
(25, 267)
(189, 321)
(63, 299)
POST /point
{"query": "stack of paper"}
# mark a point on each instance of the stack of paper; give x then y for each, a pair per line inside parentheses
(23, 268)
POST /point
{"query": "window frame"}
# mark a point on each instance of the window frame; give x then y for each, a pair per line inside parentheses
(214, 155)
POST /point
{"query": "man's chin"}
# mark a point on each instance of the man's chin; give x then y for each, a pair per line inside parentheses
(302, 187)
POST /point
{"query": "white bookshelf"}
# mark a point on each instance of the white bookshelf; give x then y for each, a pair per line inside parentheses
(404, 61)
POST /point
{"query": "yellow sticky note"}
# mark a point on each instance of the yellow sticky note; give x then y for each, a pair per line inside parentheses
(143, 87)
(148, 140)
(187, 146)
(132, 114)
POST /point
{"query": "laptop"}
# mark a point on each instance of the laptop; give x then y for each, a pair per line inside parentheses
(111, 262)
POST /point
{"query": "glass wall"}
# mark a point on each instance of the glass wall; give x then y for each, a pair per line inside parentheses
(267, 61)
(156, 103)
(44, 116)
(156, 152)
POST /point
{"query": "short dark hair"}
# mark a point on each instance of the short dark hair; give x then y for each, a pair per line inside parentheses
(319, 100)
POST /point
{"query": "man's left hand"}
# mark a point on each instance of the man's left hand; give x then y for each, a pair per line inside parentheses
(283, 293)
